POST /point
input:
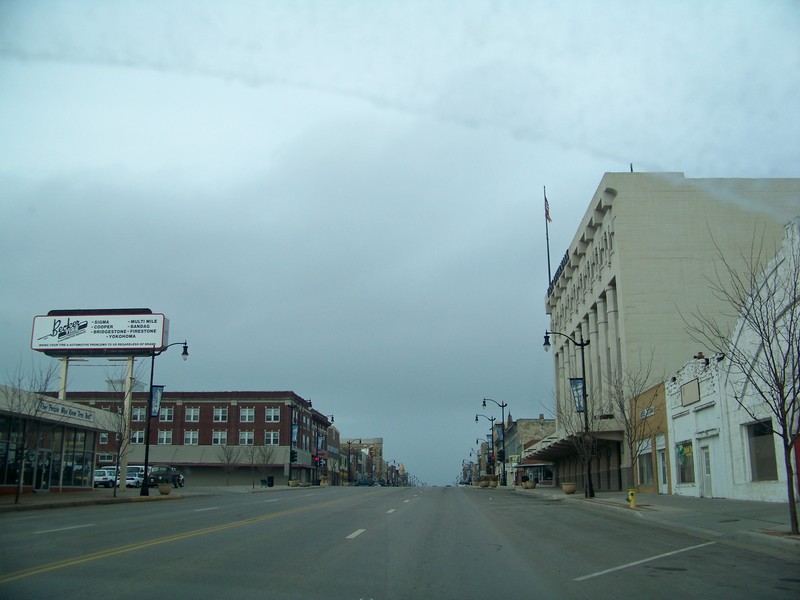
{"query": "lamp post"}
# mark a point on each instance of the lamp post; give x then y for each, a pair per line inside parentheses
(589, 491)
(492, 420)
(350, 442)
(145, 491)
(502, 406)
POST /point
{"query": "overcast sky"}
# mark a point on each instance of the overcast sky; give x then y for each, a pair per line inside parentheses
(344, 199)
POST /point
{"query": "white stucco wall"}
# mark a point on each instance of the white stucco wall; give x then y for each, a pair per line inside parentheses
(701, 423)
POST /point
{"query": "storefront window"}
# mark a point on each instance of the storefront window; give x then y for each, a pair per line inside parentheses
(685, 461)
(646, 469)
(762, 452)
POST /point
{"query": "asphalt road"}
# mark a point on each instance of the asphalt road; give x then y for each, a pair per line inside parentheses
(378, 543)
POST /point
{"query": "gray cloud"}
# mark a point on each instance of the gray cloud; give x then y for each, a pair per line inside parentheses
(345, 200)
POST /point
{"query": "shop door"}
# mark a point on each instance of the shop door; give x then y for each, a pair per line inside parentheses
(707, 491)
(663, 486)
(42, 475)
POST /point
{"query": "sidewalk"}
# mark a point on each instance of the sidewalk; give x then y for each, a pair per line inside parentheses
(31, 500)
(739, 521)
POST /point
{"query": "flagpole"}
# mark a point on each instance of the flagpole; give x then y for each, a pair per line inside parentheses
(547, 235)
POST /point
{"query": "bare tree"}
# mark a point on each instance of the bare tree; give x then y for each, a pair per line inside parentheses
(229, 457)
(121, 422)
(23, 399)
(632, 396)
(763, 349)
(578, 428)
(259, 458)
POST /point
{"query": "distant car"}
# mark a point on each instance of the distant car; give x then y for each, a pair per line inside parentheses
(166, 474)
(104, 477)
(365, 481)
(134, 478)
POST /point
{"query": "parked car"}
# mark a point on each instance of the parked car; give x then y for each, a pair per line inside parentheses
(104, 477)
(166, 474)
(134, 478)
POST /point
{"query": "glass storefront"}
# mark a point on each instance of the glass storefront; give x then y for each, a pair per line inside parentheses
(48, 455)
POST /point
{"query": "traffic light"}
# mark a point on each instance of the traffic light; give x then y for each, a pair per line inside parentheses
(292, 456)
(491, 459)
(316, 461)
(501, 455)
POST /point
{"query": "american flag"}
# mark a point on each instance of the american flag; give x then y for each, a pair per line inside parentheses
(547, 210)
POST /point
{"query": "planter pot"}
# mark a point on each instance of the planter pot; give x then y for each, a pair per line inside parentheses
(529, 485)
(293, 483)
(164, 489)
(569, 488)
(483, 484)
(493, 483)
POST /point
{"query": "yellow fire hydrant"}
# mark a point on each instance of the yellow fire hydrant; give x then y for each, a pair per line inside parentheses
(632, 497)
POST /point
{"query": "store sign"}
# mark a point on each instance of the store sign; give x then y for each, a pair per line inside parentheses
(647, 412)
(98, 334)
(54, 409)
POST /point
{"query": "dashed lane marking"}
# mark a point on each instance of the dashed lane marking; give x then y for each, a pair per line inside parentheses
(355, 534)
(639, 562)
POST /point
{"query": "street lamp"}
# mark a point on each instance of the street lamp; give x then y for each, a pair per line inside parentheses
(145, 491)
(349, 454)
(502, 406)
(579, 392)
(492, 420)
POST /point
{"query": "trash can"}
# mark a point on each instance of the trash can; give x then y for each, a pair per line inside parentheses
(270, 481)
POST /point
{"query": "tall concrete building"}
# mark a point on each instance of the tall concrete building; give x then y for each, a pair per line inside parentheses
(640, 262)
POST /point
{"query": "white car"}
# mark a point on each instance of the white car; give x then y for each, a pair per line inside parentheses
(104, 477)
(133, 478)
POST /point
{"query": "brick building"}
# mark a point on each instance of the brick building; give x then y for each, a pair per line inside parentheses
(222, 437)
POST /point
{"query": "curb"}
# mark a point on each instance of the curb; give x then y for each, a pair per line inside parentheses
(88, 502)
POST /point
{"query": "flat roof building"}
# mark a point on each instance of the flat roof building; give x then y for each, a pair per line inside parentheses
(640, 261)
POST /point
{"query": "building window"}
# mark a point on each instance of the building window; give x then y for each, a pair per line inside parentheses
(645, 463)
(192, 414)
(247, 415)
(762, 451)
(219, 438)
(103, 439)
(164, 437)
(190, 438)
(685, 461)
(272, 438)
(246, 438)
(138, 413)
(221, 414)
(272, 415)
(137, 437)
(165, 414)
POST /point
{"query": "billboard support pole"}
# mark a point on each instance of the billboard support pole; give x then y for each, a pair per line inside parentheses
(62, 387)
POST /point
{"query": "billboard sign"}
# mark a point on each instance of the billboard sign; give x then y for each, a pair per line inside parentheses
(118, 332)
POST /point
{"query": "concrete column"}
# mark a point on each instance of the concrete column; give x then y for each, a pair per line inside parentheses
(593, 359)
(602, 349)
(615, 353)
(583, 331)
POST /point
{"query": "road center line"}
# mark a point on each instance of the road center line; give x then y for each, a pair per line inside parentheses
(205, 509)
(406, 500)
(639, 562)
(94, 556)
(390, 511)
(355, 534)
(64, 528)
